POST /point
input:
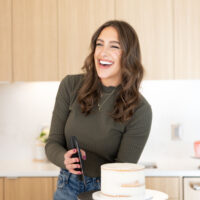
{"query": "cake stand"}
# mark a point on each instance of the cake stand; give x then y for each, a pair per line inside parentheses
(150, 195)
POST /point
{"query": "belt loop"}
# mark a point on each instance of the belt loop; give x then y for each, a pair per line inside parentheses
(68, 177)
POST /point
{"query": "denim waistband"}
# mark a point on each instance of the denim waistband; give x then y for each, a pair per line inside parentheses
(66, 172)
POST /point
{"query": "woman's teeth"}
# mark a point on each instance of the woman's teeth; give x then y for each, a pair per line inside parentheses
(105, 63)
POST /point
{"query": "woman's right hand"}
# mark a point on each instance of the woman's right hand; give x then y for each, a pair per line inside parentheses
(70, 162)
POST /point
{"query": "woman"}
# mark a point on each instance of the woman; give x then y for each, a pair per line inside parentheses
(102, 108)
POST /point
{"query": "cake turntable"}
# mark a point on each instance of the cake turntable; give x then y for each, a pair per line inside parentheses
(97, 195)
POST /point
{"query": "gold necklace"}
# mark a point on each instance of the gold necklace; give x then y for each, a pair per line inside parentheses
(109, 95)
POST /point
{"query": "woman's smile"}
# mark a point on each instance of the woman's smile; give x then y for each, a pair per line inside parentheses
(105, 64)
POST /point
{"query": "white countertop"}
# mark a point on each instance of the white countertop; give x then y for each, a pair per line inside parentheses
(166, 167)
(175, 167)
(28, 169)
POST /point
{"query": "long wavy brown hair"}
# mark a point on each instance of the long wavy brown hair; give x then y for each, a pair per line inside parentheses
(132, 73)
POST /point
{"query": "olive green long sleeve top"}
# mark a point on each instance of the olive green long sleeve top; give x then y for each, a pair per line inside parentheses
(103, 139)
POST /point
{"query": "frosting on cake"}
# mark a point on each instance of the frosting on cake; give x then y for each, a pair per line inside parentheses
(123, 180)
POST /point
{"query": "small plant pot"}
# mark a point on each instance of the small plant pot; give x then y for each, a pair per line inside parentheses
(40, 152)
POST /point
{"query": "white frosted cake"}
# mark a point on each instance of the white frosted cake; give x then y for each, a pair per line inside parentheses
(122, 181)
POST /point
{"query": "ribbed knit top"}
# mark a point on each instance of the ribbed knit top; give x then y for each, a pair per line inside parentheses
(103, 139)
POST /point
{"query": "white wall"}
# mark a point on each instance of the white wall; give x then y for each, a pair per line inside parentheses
(172, 102)
(26, 107)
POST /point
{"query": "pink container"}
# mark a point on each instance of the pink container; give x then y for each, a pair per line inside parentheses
(197, 148)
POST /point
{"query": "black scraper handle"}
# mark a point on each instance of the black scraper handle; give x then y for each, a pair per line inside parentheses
(74, 145)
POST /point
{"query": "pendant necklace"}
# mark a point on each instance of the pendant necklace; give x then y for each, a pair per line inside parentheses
(109, 95)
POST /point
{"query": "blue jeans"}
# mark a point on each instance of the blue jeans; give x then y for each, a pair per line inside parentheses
(69, 186)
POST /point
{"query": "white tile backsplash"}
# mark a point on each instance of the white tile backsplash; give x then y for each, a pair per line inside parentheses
(173, 102)
(26, 107)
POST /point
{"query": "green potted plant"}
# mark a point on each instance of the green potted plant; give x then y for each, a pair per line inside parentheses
(44, 134)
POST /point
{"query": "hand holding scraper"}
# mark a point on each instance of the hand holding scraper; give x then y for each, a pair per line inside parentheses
(74, 145)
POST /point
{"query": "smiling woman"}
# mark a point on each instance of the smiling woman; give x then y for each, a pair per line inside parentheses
(101, 107)
(107, 57)
(115, 42)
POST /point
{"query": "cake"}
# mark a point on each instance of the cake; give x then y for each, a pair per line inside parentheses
(121, 181)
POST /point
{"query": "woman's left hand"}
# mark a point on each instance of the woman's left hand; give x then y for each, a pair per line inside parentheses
(70, 162)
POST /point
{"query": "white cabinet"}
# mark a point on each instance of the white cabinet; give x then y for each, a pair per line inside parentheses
(191, 188)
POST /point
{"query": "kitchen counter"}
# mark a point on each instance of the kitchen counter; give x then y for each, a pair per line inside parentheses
(167, 167)
(28, 169)
(175, 167)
